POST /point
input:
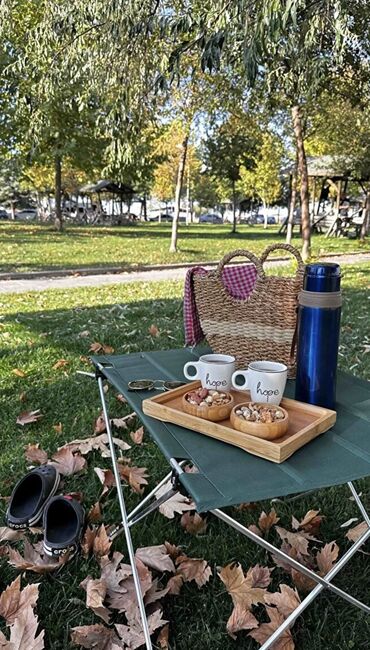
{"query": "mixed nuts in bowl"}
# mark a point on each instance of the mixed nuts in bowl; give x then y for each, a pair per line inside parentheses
(260, 419)
(208, 404)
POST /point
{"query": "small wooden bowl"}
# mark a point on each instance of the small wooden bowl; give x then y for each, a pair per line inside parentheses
(266, 430)
(212, 413)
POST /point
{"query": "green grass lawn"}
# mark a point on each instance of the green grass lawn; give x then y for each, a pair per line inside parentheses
(29, 247)
(38, 329)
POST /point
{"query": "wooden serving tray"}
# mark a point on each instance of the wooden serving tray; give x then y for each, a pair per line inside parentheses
(306, 422)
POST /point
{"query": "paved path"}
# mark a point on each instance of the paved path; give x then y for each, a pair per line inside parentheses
(73, 282)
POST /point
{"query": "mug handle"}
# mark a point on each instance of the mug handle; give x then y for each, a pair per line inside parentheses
(240, 373)
(191, 364)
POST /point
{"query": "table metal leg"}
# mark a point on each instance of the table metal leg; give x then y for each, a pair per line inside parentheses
(125, 522)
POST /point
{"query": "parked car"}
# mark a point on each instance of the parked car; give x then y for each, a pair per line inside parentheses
(3, 214)
(210, 218)
(271, 221)
(27, 214)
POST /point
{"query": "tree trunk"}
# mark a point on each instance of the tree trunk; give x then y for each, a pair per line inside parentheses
(179, 182)
(366, 221)
(292, 202)
(12, 209)
(234, 208)
(58, 194)
(302, 169)
(145, 211)
(188, 195)
(264, 214)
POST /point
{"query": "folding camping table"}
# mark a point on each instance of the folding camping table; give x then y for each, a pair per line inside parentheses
(339, 456)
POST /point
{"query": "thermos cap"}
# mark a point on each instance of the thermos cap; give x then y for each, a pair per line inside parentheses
(322, 276)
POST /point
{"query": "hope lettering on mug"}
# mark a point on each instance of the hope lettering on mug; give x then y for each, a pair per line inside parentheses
(214, 383)
(266, 392)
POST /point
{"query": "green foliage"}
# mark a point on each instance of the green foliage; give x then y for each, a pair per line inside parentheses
(263, 180)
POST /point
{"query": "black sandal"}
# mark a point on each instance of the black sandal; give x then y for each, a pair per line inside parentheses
(63, 524)
(30, 496)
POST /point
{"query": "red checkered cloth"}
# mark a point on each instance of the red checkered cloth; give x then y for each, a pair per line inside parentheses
(239, 281)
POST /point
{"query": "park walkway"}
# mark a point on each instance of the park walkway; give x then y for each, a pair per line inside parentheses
(152, 275)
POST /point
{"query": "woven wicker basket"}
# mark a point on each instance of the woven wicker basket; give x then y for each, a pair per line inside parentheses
(260, 327)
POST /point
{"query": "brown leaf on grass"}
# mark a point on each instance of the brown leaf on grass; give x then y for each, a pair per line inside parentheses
(153, 330)
(14, 600)
(172, 550)
(28, 417)
(133, 635)
(67, 463)
(34, 561)
(101, 347)
(121, 423)
(266, 521)
(114, 573)
(193, 569)
(34, 454)
(174, 585)
(123, 596)
(260, 576)
(156, 557)
(95, 636)
(254, 529)
(155, 593)
(263, 633)
(302, 582)
(193, 523)
(95, 539)
(240, 619)
(23, 396)
(61, 363)
(355, 533)
(137, 436)
(23, 632)
(87, 541)
(106, 478)
(95, 514)
(19, 373)
(286, 601)
(240, 587)
(134, 476)
(95, 594)
(99, 426)
(310, 523)
(121, 398)
(95, 443)
(246, 506)
(327, 557)
(10, 535)
(177, 503)
(162, 638)
(58, 428)
(298, 541)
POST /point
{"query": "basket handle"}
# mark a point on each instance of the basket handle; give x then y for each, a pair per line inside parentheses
(243, 253)
(286, 247)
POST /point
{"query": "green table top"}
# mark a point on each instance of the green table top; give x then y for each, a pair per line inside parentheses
(228, 475)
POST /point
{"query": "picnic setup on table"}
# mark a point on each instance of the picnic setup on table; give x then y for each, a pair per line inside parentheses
(258, 409)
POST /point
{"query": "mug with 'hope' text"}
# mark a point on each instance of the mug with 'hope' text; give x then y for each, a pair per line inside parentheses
(265, 380)
(213, 370)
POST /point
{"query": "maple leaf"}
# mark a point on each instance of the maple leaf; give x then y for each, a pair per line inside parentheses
(254, 529)
(134, 476)
(19, 373)
(153, 330)
(310, 523)
(174, 585)
(302, 582)
(162, 638)
(95, 636)
(23, 632)
(154, 593)
(263, 633)
(95, 443)
(177, 503)
(106, 477)
(61, 363)
(327, 557)
(34, 561)
(114, 573)
(96, 540)
(355, 533)
(99, 426)
(95, 514)
(298, 541)
(137, 436)
(34, 454)
(193, 523)
(67, 463)
(121, 398)
(240, 619)
(28, 417)
(240, 587)
(95, 594)
(13, 600)
(193, 569)
(123, 596)
(266, 521)
(156, 557)
(101, 347)
(172, 550)
(286, 601)
(133, 635)
(10, 535)
(260, 576)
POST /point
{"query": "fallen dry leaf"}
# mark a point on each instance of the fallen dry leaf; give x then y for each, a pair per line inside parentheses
(193, 569)
(95, 636)
(240, 619)
(133, 635)
(240, 587)
(96, 540)
(10, 535)
(254, 529)
(263, 633)
(123, 597)
(327, 557)
(298, 541)
(58, 428)
(34, 454)
(95, 443)
(137, 436)
(33, 560)
(121, 398)
(153, 330)
(355, 533)
(310, 523)
(67, 463)
(95, 514)
(28, 417)
(266, 521)
(302, 582)
(193, 523)
(19, 373)
(162, 638)
(99, 426)
(23, 632)
(96, 591)
(155, 592)
(177, 503)
(286, 601)
(23, 396)
(101, 347)
(174, 585)
(156, 557)
(61, 363)
(106, 478)
(134, 476)
(13, 600)
(260, 576)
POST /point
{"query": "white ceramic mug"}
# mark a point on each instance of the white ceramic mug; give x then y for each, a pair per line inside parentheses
(213, 370)
(265, 380)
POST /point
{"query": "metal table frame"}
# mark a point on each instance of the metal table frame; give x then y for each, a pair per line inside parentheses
(147, 505)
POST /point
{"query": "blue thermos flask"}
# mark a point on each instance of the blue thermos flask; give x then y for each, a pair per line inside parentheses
(319, 313)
